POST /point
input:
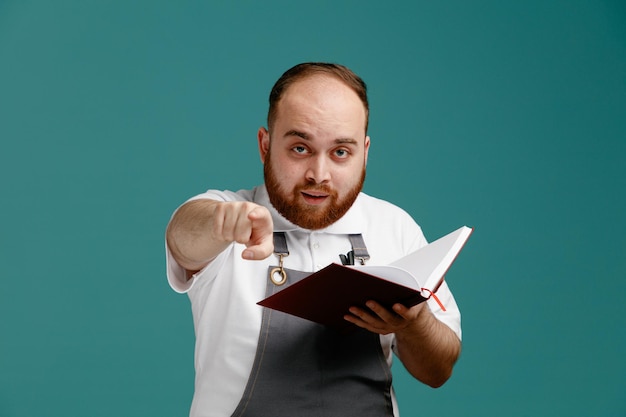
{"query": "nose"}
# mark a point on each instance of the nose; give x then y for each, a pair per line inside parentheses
(318, 170)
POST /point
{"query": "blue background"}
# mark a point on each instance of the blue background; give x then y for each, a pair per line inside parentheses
(504, 115)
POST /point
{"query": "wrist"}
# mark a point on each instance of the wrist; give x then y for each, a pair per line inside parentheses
(420, 325)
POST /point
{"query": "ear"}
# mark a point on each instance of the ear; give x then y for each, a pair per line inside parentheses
(367, 148)
(263, 136)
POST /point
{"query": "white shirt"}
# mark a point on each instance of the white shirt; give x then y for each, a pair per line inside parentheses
(224, 294)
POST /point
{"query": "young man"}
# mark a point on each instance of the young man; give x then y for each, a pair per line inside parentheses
(252, 361)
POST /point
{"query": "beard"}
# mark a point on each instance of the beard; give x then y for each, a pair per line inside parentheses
(290, 205)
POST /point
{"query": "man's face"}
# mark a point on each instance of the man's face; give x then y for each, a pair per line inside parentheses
(314, 163)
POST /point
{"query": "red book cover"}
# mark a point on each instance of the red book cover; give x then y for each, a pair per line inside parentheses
(326, 295)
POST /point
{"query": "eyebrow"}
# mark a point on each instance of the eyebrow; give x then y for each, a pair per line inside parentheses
(298, 134)
(307, 137)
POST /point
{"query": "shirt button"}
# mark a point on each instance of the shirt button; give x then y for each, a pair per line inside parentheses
(318, 267)
(316, 245)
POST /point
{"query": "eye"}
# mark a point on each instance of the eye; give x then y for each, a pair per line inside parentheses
(300, 150)
(342, 153)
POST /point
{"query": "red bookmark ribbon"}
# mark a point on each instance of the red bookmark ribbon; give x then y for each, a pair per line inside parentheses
(432, 294)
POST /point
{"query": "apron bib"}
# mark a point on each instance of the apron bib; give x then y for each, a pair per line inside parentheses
(304, 369)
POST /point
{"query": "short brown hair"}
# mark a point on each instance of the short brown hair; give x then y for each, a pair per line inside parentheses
(308, 69)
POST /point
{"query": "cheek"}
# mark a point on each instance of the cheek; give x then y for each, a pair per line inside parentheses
(297, 168)
(348, 177)
(286, 172)
(289, 172)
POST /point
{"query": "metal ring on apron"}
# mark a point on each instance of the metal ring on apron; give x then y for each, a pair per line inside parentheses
(280, 250)
(279, 269)
(283, 275)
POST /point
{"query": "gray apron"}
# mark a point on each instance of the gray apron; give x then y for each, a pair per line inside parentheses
(304, 369)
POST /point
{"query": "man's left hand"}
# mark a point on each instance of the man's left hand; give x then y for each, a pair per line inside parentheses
(381, 320)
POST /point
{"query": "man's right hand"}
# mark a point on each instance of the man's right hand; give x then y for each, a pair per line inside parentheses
(201, 229)
(246, 223)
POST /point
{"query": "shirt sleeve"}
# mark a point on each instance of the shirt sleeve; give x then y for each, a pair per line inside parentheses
(451, 316)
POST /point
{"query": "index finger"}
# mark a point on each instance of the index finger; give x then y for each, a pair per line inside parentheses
(261, 243)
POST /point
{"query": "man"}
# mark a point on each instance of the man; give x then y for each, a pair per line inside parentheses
(252, 361)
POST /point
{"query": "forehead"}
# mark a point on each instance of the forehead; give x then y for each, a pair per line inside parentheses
(319, 86)
(322, 98)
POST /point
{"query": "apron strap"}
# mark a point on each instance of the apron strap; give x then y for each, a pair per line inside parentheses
(280, 244)
(278, 275)
(358, 248)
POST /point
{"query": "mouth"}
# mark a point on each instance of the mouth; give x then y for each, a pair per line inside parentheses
(314, 197)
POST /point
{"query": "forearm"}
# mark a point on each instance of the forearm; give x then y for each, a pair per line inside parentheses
(189, 235)
(428, 349)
